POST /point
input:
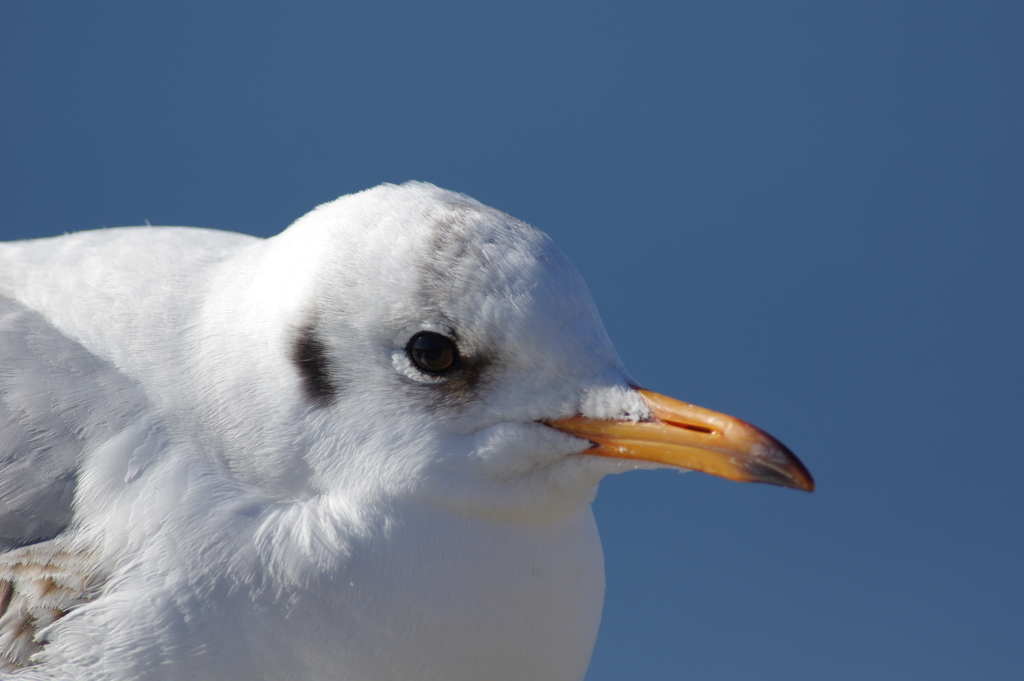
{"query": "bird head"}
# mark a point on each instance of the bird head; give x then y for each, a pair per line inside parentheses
(440, 348)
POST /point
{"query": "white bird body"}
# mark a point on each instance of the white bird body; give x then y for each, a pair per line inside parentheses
(221, 459)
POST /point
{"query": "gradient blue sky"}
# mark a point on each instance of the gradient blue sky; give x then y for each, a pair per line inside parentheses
(809, 215)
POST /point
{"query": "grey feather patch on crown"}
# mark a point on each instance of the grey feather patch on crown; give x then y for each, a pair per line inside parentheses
(309, 355)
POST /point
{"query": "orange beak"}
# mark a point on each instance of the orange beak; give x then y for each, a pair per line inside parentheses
(689, 436)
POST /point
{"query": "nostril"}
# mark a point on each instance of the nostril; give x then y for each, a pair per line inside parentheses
(690, 426)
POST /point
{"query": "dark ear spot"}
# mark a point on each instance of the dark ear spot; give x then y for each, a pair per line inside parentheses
(309, 354)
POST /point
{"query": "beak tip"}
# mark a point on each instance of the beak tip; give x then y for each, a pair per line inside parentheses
(785, 468)
(792, 475)
(804, 483)
(807, 481)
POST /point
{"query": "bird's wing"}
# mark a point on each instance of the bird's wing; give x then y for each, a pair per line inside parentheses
(39, 584)
(58, 402)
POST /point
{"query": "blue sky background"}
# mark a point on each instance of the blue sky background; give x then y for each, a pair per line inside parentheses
(809, 215)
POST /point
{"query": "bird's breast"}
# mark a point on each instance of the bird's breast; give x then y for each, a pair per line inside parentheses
(437, 596)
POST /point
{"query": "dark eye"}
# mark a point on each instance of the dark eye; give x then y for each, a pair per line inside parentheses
(432, 352)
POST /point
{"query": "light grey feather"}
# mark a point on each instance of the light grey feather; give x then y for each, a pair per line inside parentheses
(57, 400)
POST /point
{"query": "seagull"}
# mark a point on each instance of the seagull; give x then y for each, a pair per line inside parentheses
(363, 449)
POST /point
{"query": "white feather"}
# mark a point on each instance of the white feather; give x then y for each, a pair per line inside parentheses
(233, 514)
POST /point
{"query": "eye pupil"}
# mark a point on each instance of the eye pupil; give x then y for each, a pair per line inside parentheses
(432, 352)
